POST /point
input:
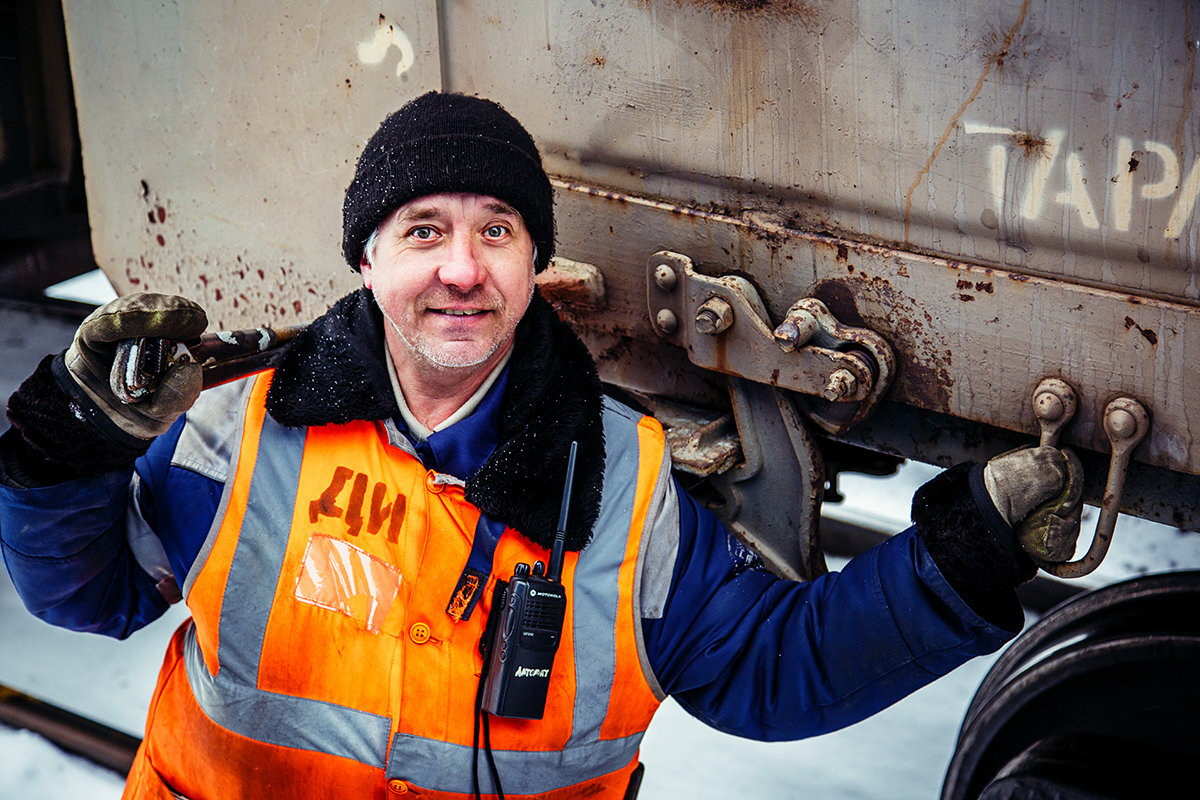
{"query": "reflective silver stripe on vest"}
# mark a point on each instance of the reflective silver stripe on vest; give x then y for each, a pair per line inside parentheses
(232, 700)
(310, 724)
(258, 560)
(521, 772)
(598, 569)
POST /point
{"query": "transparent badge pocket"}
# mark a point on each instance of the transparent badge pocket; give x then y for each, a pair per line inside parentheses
(340, 577)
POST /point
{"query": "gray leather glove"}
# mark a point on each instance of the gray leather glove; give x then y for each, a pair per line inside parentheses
(89, 359)
(1039, 491)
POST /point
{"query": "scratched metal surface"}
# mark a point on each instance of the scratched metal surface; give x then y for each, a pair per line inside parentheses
(1055, 138)
(1005, 190)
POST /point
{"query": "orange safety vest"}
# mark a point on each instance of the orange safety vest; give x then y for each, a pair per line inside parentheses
(321, 660)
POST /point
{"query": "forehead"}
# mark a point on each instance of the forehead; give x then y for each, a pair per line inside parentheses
(453, 203)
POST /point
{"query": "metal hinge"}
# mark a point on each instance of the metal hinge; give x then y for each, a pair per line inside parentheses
(725, 327)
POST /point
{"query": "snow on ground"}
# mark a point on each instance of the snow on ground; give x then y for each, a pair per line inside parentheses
(33, 769)
(899, 754)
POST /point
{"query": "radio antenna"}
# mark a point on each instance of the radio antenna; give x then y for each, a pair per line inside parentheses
(554, 572)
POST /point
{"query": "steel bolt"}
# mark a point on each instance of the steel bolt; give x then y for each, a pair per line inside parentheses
(841, 383)
(666, 321)
(665, 277)
(796, 330)
(786, 336)
(714, 317)
(1048, 406)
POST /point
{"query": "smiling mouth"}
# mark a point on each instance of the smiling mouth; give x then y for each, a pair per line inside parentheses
(460, 312)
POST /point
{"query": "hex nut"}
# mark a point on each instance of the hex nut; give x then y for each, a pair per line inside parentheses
(841, 383)
(715, 316)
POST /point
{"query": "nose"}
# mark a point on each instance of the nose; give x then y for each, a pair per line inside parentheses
(462, 266)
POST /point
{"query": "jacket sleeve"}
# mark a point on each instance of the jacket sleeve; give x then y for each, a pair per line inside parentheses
(103, 554)
(771, 659)
(68, 556)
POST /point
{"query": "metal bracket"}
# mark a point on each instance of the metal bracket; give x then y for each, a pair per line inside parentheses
(724, 326)
(780, 460)
(1126, 423)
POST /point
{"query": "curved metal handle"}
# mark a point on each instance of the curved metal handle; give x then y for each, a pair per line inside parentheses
(1126, 423)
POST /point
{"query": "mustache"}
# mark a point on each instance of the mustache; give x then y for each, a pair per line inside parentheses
(444, 296)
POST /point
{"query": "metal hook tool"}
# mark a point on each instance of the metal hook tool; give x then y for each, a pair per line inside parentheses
(1126, 423)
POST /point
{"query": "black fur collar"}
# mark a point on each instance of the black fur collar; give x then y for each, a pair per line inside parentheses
(335, 372)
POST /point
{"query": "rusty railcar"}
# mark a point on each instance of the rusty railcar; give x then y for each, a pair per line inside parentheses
(812, 236)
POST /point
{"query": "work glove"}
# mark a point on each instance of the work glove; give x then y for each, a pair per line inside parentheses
(1038, 491)
(89, 359)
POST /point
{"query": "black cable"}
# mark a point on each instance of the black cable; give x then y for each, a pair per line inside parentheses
(487, 751)
(485, 647)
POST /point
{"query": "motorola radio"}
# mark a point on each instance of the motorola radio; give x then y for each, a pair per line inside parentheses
(527, 634)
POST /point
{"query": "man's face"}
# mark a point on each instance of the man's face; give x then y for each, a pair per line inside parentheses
(454, 274)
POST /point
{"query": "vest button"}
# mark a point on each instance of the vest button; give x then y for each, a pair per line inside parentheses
(419, 633)
(397, 786)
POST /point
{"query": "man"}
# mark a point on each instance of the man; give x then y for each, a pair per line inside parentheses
(338, 526)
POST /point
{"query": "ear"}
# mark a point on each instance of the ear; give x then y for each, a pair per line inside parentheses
(364, 268)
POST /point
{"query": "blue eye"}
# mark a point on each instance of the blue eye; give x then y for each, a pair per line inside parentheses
(423, 232)
(495, 231)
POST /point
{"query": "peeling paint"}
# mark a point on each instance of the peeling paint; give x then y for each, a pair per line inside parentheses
(1149, 335)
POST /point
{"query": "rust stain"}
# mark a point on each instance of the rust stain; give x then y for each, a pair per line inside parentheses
(996, 59)
(966, 298)
(1127, 95)
(1030, 143)
(983, 286)
(922, 365)
(964, 284)
(1147, 334)
(789, 8)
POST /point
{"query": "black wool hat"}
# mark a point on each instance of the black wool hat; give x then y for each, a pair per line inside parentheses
(448, 143)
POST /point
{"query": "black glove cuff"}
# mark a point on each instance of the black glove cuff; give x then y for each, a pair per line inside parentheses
(972, 545)
(86, 408)
(60, 434)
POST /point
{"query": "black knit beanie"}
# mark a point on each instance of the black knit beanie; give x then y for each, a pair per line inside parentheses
(448, 143)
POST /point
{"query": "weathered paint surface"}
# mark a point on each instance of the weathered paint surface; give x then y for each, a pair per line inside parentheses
(970, 341)
(1005, 191)
(218, 142)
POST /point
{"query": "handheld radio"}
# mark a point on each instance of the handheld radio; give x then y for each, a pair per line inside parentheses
(529, 629)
